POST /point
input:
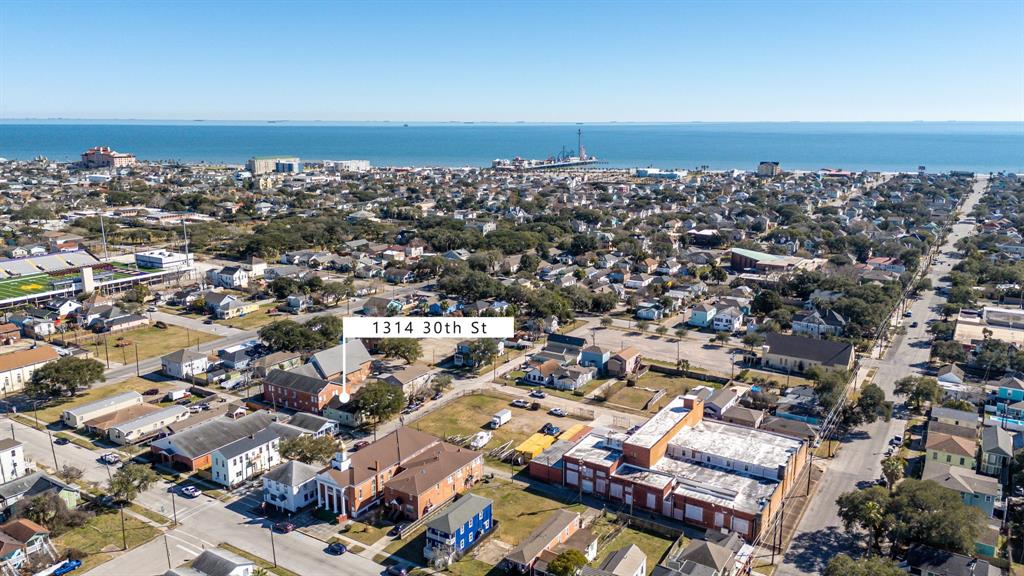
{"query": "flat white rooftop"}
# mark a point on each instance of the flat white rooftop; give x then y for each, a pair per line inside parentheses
(724, 488)
(738, 443)
(594, 450)
(660, 424)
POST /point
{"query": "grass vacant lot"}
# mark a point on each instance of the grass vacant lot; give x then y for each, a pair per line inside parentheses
(151, 341)
(471, 414)
(518, 511)
(52, 410)
(653, 545)
(102, 531)
(365, 533)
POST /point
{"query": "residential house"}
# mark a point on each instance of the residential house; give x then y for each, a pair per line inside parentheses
(250, 456)
(464, 353)
(927, 561)
(290, 486)
(817, 324)
(21, 540)
(12, 460)
(315, 426)
(702, 315)
(184, 364)
(17, 368)
(624, 362)
(412, 379)
(976, 490)
(215, 562)
(457, 528)
(627, 561)
(560, 526)
(29, 485)
(996, 451)
(278, 360)
(728, 320)
(191, 449)
(595, 357)
(228, 277)
(954, 417)
(952, 450)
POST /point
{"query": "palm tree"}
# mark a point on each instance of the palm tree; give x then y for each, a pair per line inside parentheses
(643, 325)
(892, 469)
(661, 330)
(681, 333)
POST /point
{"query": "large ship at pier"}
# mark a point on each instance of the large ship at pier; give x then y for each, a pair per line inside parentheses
(564, 159)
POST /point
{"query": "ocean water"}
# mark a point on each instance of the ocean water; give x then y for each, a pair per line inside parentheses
(939, 146)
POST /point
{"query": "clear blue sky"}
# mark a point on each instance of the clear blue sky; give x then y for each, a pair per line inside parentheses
(532, 61)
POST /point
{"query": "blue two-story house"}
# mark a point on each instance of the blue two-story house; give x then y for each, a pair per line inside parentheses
(458, 528)
(596, 357)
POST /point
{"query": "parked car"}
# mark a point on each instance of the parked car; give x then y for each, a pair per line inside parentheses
(537, 393)
(396, 570)
(397, 529)
(520, 403)
(550, 429)
(437, 395)
(557, 412)
(207, 321)
(360, 445)
(110, 458)
(190, 491)
(66, 567)
(284, 527)
(61, 441)
(151, 392)
(336, 549)
(908, 314)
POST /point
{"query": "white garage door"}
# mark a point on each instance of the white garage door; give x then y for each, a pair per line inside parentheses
(572, 477)
(694, 513)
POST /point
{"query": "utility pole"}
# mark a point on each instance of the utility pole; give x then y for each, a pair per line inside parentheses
(53, 450)
(168, 550)
(273, 549)
(124, 534)
(174, 508)
(138, 371)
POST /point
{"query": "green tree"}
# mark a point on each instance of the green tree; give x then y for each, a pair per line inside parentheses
(66, 375)
(333, 291)
(661, 329)
(309, 449)
(282, 287)
(483, 351)
(870, 406)
(893, 469)
(407, 349)
(948, 350)
(379, 402)
(930, 514)
(289, 335)
(130, 480)
(567, 563)
(722, 338)
(843, 565)
(766, 302)
(753, 340)
(959, 404)
(441, 382)
(327, 328)
(918, 390)
(867, 510)
(606, 322)
(643, 325)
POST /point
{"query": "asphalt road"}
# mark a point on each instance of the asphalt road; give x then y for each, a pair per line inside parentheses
(820, 535)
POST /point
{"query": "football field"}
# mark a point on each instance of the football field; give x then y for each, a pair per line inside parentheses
(24, 286)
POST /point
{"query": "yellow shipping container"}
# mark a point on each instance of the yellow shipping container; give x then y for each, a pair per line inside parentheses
(534, 445)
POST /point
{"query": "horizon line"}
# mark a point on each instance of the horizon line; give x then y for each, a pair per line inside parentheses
(58, 119)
